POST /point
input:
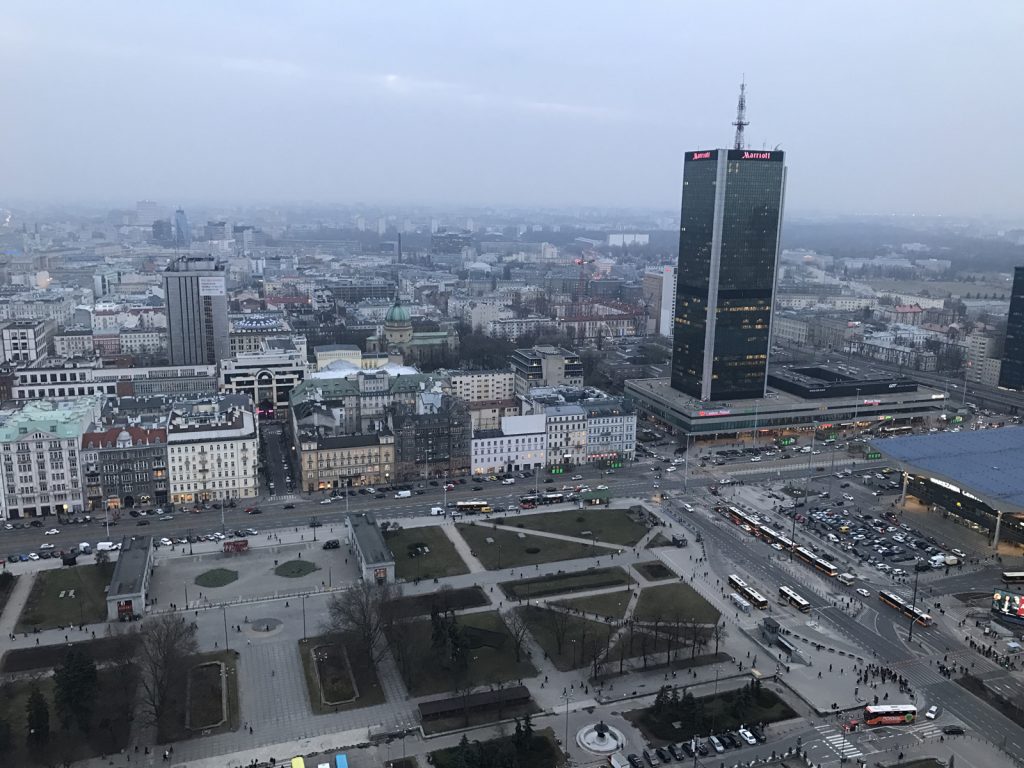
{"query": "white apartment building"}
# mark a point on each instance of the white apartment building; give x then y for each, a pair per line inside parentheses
(611, 431)
(567, 434)
(513, 327)
(792, 330)
(142, 341)
(212, 449)
(40, 442)
(25, 341)
(520, 443)
(482, 386)
(73, 342)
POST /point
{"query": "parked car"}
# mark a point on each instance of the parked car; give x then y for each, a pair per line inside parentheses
(332, 544)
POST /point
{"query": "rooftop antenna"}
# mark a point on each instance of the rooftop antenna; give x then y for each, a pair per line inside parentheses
(741, 115)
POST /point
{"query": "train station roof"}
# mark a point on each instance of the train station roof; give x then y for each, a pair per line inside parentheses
(988, 463)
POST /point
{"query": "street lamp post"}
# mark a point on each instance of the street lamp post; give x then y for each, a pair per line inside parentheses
(303, 617)
(568, 698)
(913, 603)
(224, 612)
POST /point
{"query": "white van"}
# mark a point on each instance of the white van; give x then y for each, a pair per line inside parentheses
(618, 760)
(509, 481)
(437, 511)
(937, 561)
(403, 494)
(688, 507)
(105, 546)
(846, 578)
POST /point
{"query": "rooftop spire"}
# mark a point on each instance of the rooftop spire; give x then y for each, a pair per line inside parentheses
(741, 115)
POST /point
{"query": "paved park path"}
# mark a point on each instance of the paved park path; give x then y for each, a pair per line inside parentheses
(15, 603)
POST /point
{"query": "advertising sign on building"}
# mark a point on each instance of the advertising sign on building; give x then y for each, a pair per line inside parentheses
(211, 286)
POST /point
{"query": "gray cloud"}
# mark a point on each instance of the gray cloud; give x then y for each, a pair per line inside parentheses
(904, 107)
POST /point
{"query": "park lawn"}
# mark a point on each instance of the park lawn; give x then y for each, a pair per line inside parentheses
(109, 733)
(206, 694)
(509, 551)
(442, 600)
(363, 678)
(582, 638)
(541, 752)
(294, 569)
(612, 526)
(172, 725)
(102, 650)
(46, 609)
(425, 676)
(658, 540)
(442, 560)
(563, 583)
(7, 582)
(669, 601)
(217, 577)
(678, 722)
(654, 570)
(610, 604)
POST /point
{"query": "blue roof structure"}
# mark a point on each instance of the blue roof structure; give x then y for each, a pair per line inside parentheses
(988, 463)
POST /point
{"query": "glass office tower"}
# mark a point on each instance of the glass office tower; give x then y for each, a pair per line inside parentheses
(1011, 373)
(725, 283)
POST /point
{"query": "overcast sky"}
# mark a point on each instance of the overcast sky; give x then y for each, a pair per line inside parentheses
(881, 106)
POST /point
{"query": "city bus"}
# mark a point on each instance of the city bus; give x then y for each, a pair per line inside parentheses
(911, 612)
(889, 714)
(823, 566)
(472, 506)
(1013, 577)
(774, 537)
(529, 502)
(787, 595)
(552, 497)
(754, 597)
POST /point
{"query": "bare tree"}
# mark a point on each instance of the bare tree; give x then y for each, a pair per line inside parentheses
(166, 644)
(517, 629)
(558, 620)
(366, 609)
(719, 633)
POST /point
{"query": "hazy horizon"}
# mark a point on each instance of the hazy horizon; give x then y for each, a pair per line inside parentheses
(880, 108)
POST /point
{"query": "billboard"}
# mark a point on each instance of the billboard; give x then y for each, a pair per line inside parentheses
(211, 286)
(1008, 604)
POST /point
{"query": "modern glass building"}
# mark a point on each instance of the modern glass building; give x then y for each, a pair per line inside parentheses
(725, 282)
(1011, 373)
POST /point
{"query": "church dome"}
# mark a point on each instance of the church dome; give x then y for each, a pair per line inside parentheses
(397, 314)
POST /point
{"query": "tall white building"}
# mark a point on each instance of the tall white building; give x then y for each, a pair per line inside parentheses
(666, 318)
(520, 444)
(482, 386)
(212, 449)
(40, 442)
(567, 434)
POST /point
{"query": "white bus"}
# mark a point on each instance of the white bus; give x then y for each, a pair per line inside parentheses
(740, 603)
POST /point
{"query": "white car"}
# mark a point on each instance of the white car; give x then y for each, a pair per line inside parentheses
(577, 477)
(326, 501)
(602, 487)
(848, 497)
(52, 532)
(747, 736)
(932, 713)
(671, 469)
(863, 592)
(756, 458)
(46, 546)
(165, 542)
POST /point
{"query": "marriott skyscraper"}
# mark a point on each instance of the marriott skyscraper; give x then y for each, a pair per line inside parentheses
(725, 286)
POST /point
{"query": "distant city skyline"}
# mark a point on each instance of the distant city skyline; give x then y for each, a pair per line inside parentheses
(455, 103)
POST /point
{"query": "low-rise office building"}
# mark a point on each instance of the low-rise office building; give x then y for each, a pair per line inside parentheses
(375, 560)
(129, 586)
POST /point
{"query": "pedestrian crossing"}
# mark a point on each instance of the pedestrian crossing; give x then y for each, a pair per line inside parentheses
(838, 742)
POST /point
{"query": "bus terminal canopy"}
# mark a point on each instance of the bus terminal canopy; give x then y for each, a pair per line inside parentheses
(988, 463)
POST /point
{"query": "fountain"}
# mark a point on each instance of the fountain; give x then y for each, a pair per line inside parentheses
(600, 739)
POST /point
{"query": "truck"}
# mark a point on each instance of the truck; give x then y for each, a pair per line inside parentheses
(403, 494)
(952, 560)
(846, 578)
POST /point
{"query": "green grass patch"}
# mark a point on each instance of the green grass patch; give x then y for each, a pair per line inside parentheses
(508, 550)
(581, 639)
(610, 604)
(424, 553)
(562, 583)
(108, 732)
(102, 650)
(653, 570)
(172, 726)
(7, 582)
(672, 719)
(218, 577)
(364, 681)
(293, 569)
(442, 600)
(46, 609)
(334, 674)
(674, 601)
(612, 526)
(206, 696)
(539, 751)
(658, 540)
(491, 661)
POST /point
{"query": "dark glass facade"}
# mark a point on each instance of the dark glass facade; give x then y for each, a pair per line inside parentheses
(1011, 373)
(728, 249)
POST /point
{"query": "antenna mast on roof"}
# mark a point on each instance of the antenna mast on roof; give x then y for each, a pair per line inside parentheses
(741, 115)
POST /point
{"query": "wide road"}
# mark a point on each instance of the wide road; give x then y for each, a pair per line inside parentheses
(881, 635)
